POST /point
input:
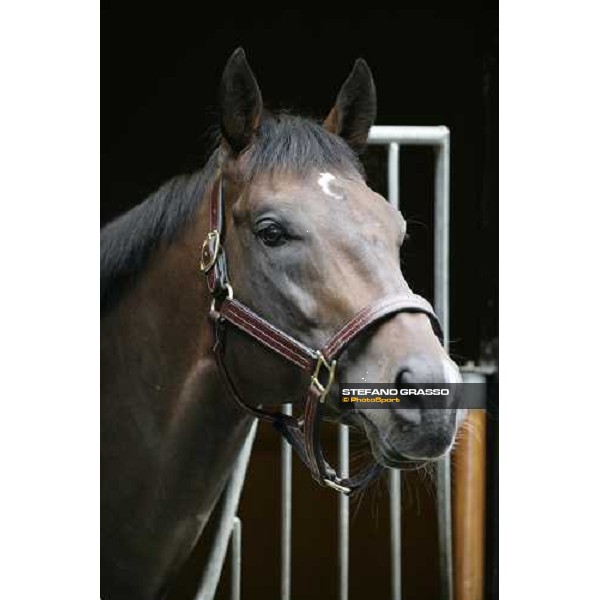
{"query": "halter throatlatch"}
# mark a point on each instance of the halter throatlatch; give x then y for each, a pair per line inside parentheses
(302, 434)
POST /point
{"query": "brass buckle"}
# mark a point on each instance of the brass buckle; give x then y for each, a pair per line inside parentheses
(210, 247)
(336, 486)
(321, 362)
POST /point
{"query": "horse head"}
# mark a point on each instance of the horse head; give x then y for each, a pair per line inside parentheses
(309, 244)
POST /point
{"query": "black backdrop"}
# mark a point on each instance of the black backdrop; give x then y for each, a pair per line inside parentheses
(160, 72)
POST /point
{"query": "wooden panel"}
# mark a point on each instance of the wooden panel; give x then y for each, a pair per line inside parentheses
(469, 508)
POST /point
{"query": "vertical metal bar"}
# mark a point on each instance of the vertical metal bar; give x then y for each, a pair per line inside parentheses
(236, 559)
(396, 531)
(444, 511)
(442, 235)
(395, 475)
(231, 499)
(286, 514)
(394, 175)
(441, 297)
(343, 513)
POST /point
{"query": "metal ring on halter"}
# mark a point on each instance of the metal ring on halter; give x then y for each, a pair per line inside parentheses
(321, 362)
(213, 312)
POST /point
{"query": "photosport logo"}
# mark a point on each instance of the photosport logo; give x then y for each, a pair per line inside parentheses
(426, 395)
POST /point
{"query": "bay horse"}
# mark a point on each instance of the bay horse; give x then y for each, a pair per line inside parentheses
(309, 245)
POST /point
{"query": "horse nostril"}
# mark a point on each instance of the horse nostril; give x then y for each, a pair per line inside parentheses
(420, 369)
(403, 377)
(411, 375)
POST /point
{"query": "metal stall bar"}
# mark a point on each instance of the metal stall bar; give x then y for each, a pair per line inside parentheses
(233, 492)
(439, 138)
(408, 135)
(441, 302)
(286, 514)
(395, 475)
(343, 513)
(396, 532)
(236, 559)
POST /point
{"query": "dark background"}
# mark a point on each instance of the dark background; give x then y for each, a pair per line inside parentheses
(160, 72)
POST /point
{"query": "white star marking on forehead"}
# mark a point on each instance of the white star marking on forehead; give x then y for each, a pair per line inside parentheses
(324, 180)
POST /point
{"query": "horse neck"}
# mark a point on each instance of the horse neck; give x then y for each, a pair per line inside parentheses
(170, 433)
(158, 336)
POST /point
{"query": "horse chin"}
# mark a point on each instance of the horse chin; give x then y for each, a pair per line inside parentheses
(395, 462)
(403, 460)
(411, 454)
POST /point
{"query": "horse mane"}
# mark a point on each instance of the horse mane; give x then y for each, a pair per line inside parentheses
(284, 143)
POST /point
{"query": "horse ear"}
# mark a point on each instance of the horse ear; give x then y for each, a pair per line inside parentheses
(355, 107)
(240, 102)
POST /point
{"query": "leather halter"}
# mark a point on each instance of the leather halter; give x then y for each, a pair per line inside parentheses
(302, 434)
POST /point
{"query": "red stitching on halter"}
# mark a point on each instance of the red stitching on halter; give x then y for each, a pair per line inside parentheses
(303, 437)
(241, 316)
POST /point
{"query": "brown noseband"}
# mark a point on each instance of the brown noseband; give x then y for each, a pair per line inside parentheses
(302, 434)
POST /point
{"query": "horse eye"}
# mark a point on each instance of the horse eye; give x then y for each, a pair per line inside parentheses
(272, 235)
